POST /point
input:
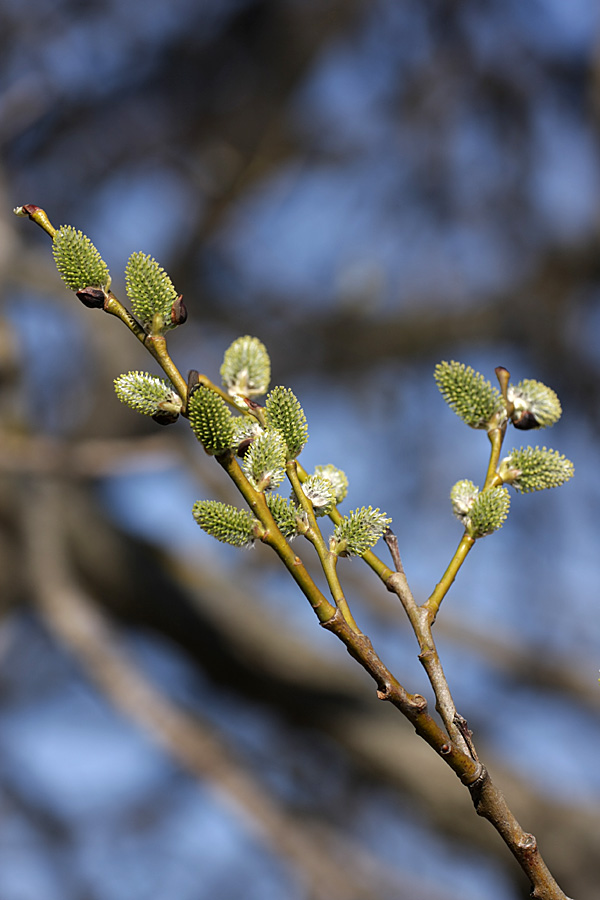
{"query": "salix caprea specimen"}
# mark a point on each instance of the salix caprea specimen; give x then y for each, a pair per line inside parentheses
(258, 447)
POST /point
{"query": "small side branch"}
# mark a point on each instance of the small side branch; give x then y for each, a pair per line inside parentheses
(432, 605)
(428, 656)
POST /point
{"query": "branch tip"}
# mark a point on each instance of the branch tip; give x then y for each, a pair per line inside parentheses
(37, 215)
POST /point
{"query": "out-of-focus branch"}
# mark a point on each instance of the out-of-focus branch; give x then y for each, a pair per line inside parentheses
(90, 458)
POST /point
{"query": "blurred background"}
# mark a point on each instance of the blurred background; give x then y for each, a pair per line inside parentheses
(368, 187)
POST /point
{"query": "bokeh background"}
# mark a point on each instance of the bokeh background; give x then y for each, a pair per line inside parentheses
(369, 187)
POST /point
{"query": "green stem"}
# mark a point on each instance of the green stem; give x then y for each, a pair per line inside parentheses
(204, 380)
(327, 559)
(37, 215)
(324, 610)
(155, 344)
(496, 437)
(428, 654)
(432, 605)
(377, 565)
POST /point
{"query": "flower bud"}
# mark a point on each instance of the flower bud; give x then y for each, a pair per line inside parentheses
(93, 298)
(226, 523)
(535, 405)
(246, 368)
(358, 532)
(535, 469)
(154, 300)
(78, 262)
(283, 412)
(149, 395)
(337, 478)
(264, 462)
(210, 420)
(321, 494)
(468, 393)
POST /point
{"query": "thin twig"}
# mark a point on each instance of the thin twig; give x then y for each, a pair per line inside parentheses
(428, 654)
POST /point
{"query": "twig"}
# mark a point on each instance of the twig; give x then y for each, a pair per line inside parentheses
(73, 617)
(428, 655)
(455, 746)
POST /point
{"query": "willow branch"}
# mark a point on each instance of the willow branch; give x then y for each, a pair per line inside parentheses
(80, 626)
(433, 603)
(452, 745)
(327, 559)
(428, 655)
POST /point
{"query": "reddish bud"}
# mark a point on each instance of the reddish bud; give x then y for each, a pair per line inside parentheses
(93, 298)
(30, 208)
(165, 416)
(192, 381)
(178, 311)
(243, 447)
(525, 420)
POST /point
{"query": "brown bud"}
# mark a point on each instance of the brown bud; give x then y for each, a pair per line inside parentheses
(243, 447)
(165, 416)
(525, 420)
(178, 311)
(30, 208)
(192, 381)
(37, 215)
(93, 298)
